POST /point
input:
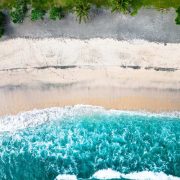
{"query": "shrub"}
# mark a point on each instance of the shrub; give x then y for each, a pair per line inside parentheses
(56, 13)
(178, 16)
(81, 10)
(2, 19)
(1, 31)
(18, 12)
(121, 5)
(37, 14)
(135, 6)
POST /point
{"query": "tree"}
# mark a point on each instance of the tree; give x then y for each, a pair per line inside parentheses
(37, 14)
(18, 12)
(81, 10)
(123, 6)
(2, 20)
(56, 13)
(178, 16)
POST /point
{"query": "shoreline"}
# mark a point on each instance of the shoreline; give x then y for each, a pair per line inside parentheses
(39, 116)
(125, 75)
(22, 101)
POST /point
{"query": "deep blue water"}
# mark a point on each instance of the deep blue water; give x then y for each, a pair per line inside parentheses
(83, 143)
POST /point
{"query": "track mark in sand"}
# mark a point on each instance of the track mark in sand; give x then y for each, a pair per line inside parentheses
(75, 66)
(39, 68)
(149, 68)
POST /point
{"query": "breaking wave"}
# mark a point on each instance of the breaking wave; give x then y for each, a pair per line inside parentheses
(111, 174)
(144, 175)
(86, 142)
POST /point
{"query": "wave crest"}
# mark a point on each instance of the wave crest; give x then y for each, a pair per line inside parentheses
(66, 177)
(144, 175)
(37, 117)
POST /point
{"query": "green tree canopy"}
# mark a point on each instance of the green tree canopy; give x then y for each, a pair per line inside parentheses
(56, 13)
(81, 10)
(178, 16)
(2, 19)
(37, 14)
(18, 11)
(123, 6)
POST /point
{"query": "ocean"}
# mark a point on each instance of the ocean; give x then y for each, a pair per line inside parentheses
(88, 142)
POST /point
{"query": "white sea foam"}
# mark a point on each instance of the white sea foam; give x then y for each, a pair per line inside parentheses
(37, 117)
(66, 177)
(107, 174)
(144, 175)
(147, 175)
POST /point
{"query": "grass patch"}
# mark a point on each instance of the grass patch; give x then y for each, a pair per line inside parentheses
(162, 4)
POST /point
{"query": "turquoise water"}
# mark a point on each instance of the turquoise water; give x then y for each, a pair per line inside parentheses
(83, 140)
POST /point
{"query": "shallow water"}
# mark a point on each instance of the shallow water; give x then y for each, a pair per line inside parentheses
(82, 140)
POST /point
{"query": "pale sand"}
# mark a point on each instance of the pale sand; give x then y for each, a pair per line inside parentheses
(26, 53)
(32, 74)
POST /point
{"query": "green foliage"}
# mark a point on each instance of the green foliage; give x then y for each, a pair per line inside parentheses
(1, 31)
(43, 4)
(56, 13)
(123, 6)
(37, 14)
(2, 19)
(161, 4)
(81, 10)
(18, 12)
(178, 16)
(135, 6)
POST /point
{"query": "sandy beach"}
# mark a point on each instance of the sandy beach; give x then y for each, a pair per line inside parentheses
(128, 75)
(89, 100)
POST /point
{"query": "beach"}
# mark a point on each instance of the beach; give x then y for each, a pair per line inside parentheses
(127, 75)
(132, 64)
(96, 100)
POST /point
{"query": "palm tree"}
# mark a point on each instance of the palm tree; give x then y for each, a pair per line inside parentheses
(121, 5)
(81, 10)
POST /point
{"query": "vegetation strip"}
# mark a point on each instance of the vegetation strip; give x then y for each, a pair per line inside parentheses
(57, 9)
